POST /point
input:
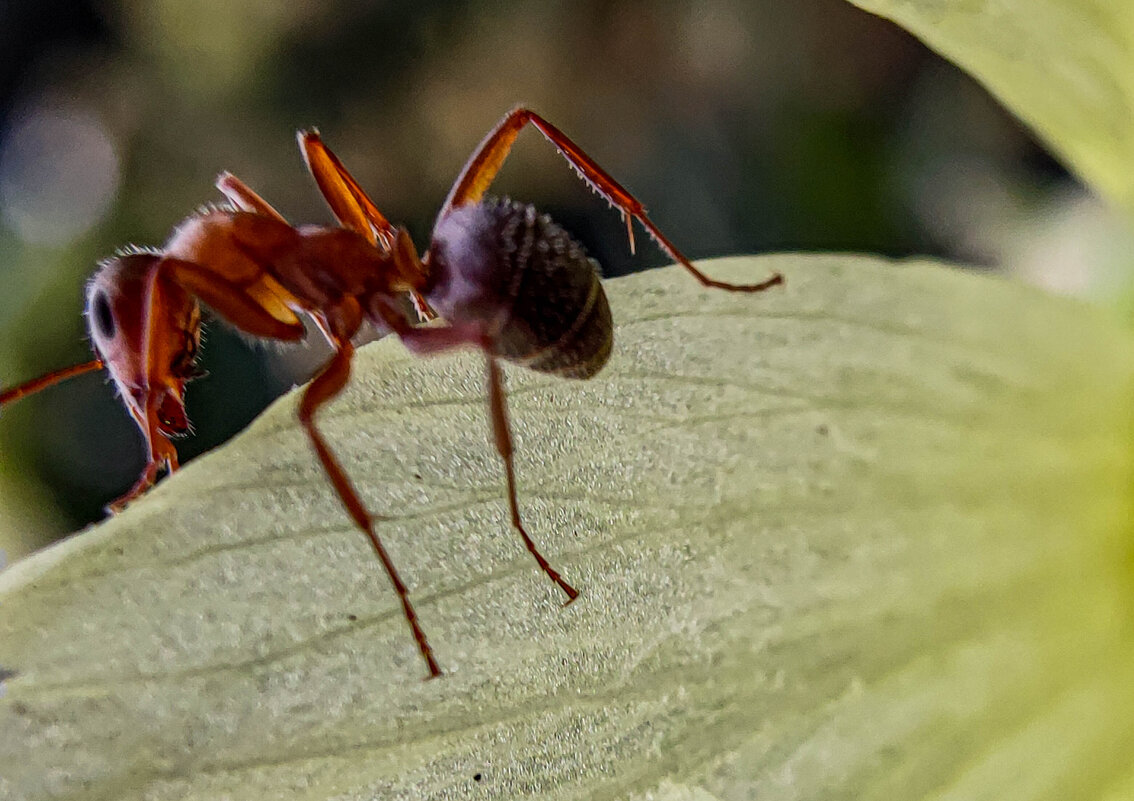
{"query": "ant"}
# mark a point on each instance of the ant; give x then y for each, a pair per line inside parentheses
(504, 278)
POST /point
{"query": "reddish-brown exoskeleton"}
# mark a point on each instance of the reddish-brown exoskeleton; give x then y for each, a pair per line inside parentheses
(505, 280)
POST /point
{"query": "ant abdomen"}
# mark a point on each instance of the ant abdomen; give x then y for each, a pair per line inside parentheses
(504, 265)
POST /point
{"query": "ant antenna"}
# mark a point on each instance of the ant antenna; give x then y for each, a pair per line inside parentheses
(48, 380)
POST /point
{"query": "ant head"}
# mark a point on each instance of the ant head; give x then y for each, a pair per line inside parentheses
(147, 330)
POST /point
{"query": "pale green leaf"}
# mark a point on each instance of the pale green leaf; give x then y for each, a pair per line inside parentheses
(1066, 67)
(867, 536)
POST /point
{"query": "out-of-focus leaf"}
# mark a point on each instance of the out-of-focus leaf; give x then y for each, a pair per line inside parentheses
(864, 537)
(1066, 67)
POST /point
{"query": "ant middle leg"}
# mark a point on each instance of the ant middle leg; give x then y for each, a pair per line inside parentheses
(326, 385)
(351, 206)
(487, 159)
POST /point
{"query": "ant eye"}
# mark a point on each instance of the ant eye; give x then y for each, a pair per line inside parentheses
(103, 316)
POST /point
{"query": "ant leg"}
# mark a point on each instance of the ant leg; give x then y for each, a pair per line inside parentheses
(443, 338)
(503, 435)
(261, 315)
(352, 207)
(144, 482)
(485, 162)
(243, 198)
(161, 453)
(326, 385)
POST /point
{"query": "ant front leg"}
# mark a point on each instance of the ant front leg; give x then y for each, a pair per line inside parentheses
(243, 198)
(325, 386)
(486, 161)
(161, 454)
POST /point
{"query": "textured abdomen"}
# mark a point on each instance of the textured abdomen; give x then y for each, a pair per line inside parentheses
(530, 283)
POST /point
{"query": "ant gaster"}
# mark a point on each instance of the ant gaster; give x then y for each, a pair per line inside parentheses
(504, 278)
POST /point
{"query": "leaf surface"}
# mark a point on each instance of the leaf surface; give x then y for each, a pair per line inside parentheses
(868, 537)
(1065, 67)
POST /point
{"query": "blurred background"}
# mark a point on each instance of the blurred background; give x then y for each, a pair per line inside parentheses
(744, 125)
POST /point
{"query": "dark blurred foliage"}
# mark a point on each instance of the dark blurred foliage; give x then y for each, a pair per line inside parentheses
(744, 126)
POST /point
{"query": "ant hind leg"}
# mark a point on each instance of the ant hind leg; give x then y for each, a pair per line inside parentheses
(430, 340)
(498, 408)
(486, 161)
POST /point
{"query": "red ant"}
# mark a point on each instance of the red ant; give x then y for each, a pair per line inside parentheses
(505, 279)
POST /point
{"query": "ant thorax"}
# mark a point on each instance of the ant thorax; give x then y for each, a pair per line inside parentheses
(531, 286)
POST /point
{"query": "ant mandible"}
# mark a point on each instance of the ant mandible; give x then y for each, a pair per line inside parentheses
(505, 280)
